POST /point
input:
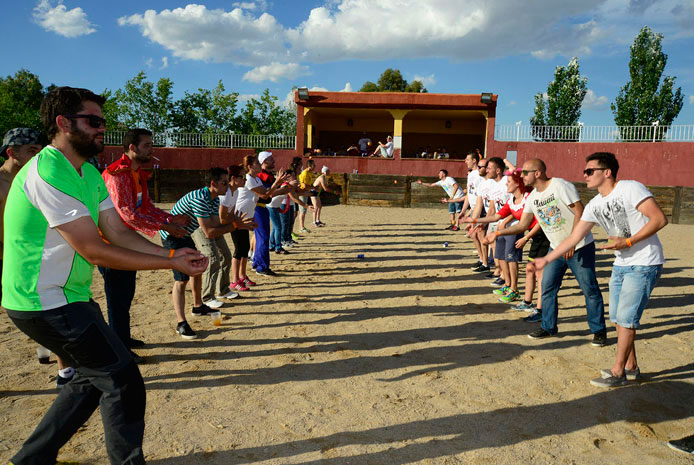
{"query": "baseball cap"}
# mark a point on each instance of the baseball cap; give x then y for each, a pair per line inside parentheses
(262, 156)
(20, 136)
(325, 169)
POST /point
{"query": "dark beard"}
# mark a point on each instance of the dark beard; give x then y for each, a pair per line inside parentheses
(142, 159)
(84, 144)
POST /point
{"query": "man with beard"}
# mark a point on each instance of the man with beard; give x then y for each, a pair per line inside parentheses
(56, 203)
(127, 186)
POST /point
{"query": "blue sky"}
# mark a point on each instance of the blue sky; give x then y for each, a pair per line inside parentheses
(466, 46)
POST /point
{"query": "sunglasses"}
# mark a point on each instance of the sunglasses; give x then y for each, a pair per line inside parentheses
(526, 172)
(481, 166)
(94, 121)
(590, 171)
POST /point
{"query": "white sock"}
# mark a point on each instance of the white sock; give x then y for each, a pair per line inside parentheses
(66, 372)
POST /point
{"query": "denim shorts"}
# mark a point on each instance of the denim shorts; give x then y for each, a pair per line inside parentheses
(176, 243)
(630, 288)
(455, 207)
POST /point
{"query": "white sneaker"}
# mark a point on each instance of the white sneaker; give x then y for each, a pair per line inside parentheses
(229, 295)
(214, 303)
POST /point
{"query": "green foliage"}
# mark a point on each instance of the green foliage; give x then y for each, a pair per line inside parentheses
(142, 103)
(391, 80)
(562, 105)
(20, 101)
(644, 99)
(264, 116)
(211, 111)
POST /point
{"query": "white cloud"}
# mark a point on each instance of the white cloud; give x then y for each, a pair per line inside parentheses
(259, 5)
(243, 98)
(148, 62)
(512, 102)
(276, 71)
(429, 80)
(347, 88)
(691, 99)
(58, 19)
(289, 98)
(164, 63)
(197, 33)
(593, 102)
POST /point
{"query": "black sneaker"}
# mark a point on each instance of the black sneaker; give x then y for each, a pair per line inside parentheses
(202, 310)
(685, 445)
(135, 343)
(61, 381)
(491, 275)
(136, 358)
(450, 226)
(498, 282)
(482, 269)
(534, 317)
(186, 331)
(267, 272)
(477, 263)
(600, 338)
(540, 334)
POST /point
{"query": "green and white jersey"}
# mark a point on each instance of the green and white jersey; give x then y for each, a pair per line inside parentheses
(40, 269)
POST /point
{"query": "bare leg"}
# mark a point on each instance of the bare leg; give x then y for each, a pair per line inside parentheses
(235, 269)
(302, 219)
(197, 290)
(626, 352)
(242, 268)
(502, 265)
(529, 285)
(513, 274)
(538, 276)
(61, 364)
(179, 299)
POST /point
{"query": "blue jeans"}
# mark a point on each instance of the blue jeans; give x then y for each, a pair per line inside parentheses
(276, 231)
(106, 377)
(287, 222)
(582, 265)
(119, 287)
(261, 256)
(630, 288)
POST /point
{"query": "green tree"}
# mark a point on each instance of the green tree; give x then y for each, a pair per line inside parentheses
(265, 116)
(391, 80)
(561, 106)
(648, 96)
(211, 111)
(142, 103)
(20, 101)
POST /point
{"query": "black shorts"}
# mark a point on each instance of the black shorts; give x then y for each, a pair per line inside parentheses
(242, 243)
(539, 246)
(178, 243)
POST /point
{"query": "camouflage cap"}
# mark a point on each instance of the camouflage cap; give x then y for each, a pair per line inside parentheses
(20, 136)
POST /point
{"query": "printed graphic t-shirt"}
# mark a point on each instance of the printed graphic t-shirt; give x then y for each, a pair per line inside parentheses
(473, 181)
(618, 215)
(551, 208)
(449, 185)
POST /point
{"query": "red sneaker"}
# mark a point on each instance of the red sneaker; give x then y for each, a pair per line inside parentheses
(239, 286)
(247, 281)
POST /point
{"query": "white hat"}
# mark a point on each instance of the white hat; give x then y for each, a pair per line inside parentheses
(262, 156)
(325, 169)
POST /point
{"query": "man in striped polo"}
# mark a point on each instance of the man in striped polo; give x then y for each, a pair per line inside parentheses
(202, 207)
(56, 202)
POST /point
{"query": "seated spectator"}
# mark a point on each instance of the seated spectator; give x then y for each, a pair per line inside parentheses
(386, 150)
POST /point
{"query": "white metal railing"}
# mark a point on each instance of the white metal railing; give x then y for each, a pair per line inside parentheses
(210, 140)
(583, 133)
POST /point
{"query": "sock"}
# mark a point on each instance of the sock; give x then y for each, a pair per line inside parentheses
(528, 302)
(180, 323)
(66, 372)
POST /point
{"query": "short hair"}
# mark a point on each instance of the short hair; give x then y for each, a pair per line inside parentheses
(133, 136)
(445, 172)
(310, 162)
(248, 161)
(236, 171)
(539, 165)
(474, 155)
(497, 161)
(215, 174)
(65, 101)
(605, 160)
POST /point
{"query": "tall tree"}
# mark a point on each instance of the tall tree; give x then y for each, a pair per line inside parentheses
(142, 103)
(561, 106)
(264, 116)
(211, 111)
(391, 80)
(648, 96)
(20, 101)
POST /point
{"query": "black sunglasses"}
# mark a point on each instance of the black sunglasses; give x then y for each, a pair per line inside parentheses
(481, 166)
(590, 171)
(94, 121)
(526, 172)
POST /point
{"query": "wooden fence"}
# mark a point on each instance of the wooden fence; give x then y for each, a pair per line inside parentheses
(404, 192)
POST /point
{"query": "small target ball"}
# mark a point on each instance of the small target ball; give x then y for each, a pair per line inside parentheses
(395, 182)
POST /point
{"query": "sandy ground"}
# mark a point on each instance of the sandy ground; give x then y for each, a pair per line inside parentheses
(402, 357)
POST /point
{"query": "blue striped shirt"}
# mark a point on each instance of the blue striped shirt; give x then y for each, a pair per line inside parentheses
(196, 204)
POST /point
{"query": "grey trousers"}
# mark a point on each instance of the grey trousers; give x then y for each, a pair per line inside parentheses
(215, 279)
(106, 377)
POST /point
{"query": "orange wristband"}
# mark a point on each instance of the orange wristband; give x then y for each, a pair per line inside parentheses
(474, 221)
(235, 225)
(171, 253)
(497, 233)
(629, 242)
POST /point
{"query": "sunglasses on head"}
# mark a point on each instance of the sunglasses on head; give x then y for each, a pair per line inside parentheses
(590, 171)
(94, 121)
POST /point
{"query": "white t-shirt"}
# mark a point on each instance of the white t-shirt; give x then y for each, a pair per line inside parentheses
(617, 214)
(483, 190)
(498, 193)
(389, 149)
(229, 199)
(449, 185)
(247, 199)
(277, 201)
(551, 208)
(473, 180)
